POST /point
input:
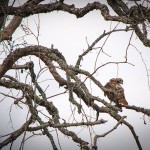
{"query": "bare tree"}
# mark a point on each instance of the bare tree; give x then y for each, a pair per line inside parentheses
(24, 86)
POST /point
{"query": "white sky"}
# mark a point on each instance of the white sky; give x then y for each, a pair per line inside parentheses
(68, 34)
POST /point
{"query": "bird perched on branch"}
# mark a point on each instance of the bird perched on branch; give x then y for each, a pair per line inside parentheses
(115, 92)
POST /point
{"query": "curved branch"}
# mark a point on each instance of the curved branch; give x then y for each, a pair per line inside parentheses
(7, 32)
(25, 11)
(103, 135)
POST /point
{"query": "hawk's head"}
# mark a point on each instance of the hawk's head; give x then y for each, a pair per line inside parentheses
(119, 80)
(116, 80)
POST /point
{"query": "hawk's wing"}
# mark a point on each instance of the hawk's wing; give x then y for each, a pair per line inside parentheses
(110, 86)
(120, 94)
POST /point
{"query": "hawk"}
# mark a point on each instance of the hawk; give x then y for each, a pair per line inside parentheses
(116, 93)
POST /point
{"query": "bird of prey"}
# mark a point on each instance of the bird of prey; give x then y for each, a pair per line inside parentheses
(115, 91)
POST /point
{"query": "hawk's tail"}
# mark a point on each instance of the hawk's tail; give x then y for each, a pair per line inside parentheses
(123, 101)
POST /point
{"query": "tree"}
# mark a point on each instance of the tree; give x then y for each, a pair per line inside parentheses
(43, 85)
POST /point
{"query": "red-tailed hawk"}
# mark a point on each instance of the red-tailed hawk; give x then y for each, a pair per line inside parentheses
(116, 93)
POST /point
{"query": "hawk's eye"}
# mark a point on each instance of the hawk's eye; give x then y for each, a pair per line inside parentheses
(120, 81)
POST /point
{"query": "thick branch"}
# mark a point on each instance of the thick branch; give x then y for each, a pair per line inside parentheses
(3, 9)
(25, 11)
(6, 34)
